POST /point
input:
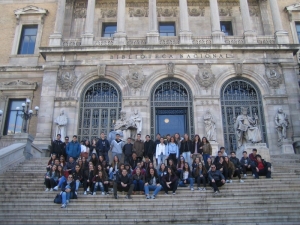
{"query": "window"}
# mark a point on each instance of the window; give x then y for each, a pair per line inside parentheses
(13, 122)
(108, 29)
(298, 30)
(226, 27)
(167, 29)
(28, 39)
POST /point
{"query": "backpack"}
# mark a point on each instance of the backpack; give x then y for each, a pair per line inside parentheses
(58, 199)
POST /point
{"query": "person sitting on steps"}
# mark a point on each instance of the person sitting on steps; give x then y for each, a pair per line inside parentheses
(123, 183)
(215, 178)
(261, 168)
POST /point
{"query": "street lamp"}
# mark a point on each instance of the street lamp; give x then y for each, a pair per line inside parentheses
(26, 113)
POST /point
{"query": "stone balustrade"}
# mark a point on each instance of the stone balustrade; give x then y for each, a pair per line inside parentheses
(72, 42)
(136, 41)
(12, 155)
(266, 40)
(234, 40)
(104, 41)
(202, 40)
(168, 40)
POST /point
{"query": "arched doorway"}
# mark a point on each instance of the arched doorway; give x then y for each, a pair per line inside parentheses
(171, 108)
(100, 105)
(237, 93)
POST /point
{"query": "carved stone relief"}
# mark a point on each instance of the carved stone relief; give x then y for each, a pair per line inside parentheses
(66, 78)
(101, 70)
(225, 11)
(135, 77)
(197, 3)
(18, 85)
(254, 11)
(170, 69)
(168, 4)
(109, 13)
(138, 12)
(281, 124)
(137, 4)
(205, 77)
(196, 11)
(238, 69)
(273, 75)
(167, 12)
(80, 10)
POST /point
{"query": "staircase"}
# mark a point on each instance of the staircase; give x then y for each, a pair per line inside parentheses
(263, 201)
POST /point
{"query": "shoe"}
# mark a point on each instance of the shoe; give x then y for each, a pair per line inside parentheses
(253, 175)
(75, 192)
(88, 189)
(245, 175)
(63, 206)
(128, 197)
(230, 181)
(227, 181)
(203, 189)
(192, 189)
(107, 193)
(147, 197)
(94, 193)
(166, 193)
(55, 188)
(67, 202)
(216, 192)
(116, 196)
(174, 193)
(241, 181)
(84, 193)
(152, 196)
(199, 189)
(103, 193)
(47, 189)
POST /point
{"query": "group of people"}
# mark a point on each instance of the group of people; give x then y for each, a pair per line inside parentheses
(163, 164)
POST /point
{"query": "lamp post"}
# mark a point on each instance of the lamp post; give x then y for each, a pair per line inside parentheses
(26, 113)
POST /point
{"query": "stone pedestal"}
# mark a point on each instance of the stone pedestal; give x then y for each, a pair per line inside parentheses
(287, 147)
(250, 37)
(185, 38)
(55, 40)
(218, 37)
(282, 37)
(87, 39)
(262, 150)
(215, 148)
(120, 39)
(152, 38)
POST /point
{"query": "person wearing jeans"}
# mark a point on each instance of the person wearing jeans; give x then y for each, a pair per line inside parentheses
(77, 176)
(152, 184)
(138, 180)
(206, 148)
(186, 148)
(170, 181)
(186, 177)
(101, 181)
(68, 191)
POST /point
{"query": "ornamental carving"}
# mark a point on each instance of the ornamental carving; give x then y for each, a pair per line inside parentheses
(138, 12)
(238, 69)
(225, 11)
(31, 10)
(196, 11)
(273, 75)
(137, 4)
(170, 69)
(197, 3)
(101, 70)
(80, 10)
(110, 4)
(136, 77)
(254, 11)
(18, 85)
(109, 13)
(167, 12)
(66, 79)
(205, 77)
(168, 4)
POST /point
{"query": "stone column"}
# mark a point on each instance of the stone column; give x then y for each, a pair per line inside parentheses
(120, 36)
(249, 33)
(45, 114)
(88, 36)
(152, 35)
(55, 39)
(217, 34)
(185, 34)
(281, 36)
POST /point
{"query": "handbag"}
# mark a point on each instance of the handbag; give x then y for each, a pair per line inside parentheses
(58, 199)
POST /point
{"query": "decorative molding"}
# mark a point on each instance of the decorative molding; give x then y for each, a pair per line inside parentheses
(167, 12)
(168, 4)
(290, 9)
(276, 100)
(101, 70)
(205, 76)
(238, 68)
(69, 2)
(137, 4)
(197, 3)
(254, 11)
(273, 75)
(18, 85)
(109, 13)
(33, 10)
(80, 10)
(66, 78)
(65, 102)
(138, 12)
(109, 4)
(196, 11)
(225, 11)
(135, 77)
(170, 69)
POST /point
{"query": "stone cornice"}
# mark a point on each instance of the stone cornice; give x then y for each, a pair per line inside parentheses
(18, 85)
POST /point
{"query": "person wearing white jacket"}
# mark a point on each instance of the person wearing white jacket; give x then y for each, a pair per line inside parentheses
(160, 153)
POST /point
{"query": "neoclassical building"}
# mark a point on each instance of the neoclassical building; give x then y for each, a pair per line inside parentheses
(172, 61)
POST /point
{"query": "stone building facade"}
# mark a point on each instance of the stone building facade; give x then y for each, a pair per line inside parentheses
(167, 59)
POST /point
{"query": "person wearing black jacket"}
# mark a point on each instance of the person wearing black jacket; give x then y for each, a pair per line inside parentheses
(197, 144)
(152, 184)
(133, 161)
(88, 180)
(68, 191)
(57, 146)
(77, 176)
(261, 168)
(149, 148)
(186, 148)
(103, 147)
(246, 164)
(127, 150)
(237, 165)
(170, 181)
(123, 183)
(215, 178)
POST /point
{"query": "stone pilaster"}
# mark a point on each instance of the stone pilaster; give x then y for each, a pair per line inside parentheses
(185, 35)
(45, 116)
(217, 34)
(88, 36)
(55, 39)
(120, 36)
(281, 36)
(152, 35)
(249, 33)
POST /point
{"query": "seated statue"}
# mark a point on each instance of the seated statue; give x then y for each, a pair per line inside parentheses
(246, 128)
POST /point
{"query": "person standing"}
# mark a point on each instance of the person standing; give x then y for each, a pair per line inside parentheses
(207, 149)
(73, 149)
(186, 148)
(127, 150)
(149, 148)
(138, 147)
(172, 150)
(103, 146)
(116, 147)
(196, 151)
(57, 146)
(160, 153)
